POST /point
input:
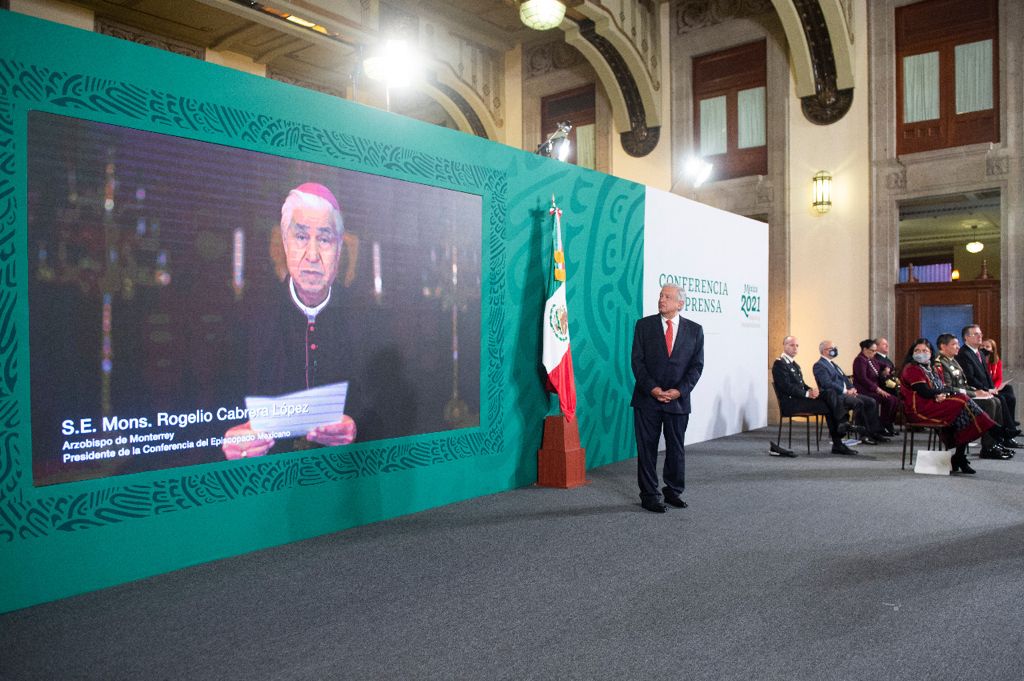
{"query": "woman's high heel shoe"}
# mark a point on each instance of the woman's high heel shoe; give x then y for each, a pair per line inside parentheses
(960, 464)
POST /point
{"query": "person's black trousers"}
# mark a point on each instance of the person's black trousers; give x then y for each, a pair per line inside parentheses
(648, 424)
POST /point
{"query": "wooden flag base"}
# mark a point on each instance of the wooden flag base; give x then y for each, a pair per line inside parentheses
(561, 462)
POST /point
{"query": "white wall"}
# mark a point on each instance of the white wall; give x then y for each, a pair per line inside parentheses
(829, 292)
(686, 240)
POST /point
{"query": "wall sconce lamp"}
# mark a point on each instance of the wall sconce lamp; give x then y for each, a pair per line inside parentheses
(954, 275)
(540, 15)
(822, 192)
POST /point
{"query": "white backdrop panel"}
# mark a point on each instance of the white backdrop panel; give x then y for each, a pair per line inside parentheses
(721, 262)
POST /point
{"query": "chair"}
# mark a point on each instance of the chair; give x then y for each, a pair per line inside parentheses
(911, 427)
(786, 411)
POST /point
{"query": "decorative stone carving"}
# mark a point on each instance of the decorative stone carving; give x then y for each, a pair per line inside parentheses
(397, 23)
(765, 191)
(896, 181)
(640, 139)
(693, 14)
(548, 57)
(634, 22)
(274, 74)
(828, 104)
(132, 34)
(996, 163)
(479, 69)
(475, 124)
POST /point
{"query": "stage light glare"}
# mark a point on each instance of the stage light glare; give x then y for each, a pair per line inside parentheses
(697, 170)
(541, 15)
(564, 147)
(396, 64)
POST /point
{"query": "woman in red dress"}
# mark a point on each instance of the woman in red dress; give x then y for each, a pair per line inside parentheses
(927, 400)
(993, 363)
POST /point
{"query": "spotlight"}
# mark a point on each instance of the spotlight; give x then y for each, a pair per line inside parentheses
(698, 170)
(557, 145)
(395, 64)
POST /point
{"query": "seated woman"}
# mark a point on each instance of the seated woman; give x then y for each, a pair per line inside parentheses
(993, 363)
(867, 380)
(927, 400)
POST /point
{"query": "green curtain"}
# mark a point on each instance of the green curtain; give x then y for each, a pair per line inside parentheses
(921, 87)
(712, 126)
(973, 76)
(751, 118)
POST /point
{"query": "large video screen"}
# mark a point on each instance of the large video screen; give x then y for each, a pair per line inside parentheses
(191, 302)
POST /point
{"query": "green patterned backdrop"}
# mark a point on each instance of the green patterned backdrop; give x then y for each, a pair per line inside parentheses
(65, 539)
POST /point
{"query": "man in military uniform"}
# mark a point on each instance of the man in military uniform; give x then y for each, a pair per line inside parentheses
(954, 377)
(795, 394)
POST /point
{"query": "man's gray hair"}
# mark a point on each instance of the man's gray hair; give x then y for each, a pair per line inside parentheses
(822, 345)
(297, 199)
(680, 294)
(786, 338)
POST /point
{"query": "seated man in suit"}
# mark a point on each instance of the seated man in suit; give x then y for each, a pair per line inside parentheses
(832, 379)
(794, 393)
(888, 375)
(972, 361)
(953, 376)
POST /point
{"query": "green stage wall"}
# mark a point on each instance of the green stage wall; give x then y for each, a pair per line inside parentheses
(63, 539)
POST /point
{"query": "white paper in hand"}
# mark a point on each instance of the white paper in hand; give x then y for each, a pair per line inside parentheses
(295, 414)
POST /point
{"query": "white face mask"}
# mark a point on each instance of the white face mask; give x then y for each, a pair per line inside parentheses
(922, 357)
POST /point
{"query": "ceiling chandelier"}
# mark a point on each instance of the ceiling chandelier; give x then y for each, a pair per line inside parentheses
(541, 15)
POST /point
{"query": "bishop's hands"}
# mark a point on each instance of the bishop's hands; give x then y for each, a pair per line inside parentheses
(241, 441)
(333, 434)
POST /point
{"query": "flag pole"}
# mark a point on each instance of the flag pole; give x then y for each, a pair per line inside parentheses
(561, 461)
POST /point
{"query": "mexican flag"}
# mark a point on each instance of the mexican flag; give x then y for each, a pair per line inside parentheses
(557, 355)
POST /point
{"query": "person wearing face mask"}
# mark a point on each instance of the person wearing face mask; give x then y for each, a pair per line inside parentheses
(868, 379)
(926, 399)
(832, 379)
(972, 359)
(952, 375)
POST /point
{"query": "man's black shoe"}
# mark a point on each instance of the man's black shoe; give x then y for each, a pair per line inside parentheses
(653, 506)
(868, 440)
(995, 452)
(889, 431)
(779, 450)
(843, 449)
(1010, 443)
(672, 499)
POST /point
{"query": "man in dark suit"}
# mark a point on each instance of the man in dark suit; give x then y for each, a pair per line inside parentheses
(888, 378)
(831, 379)
(668, 359)
(953, 376)
(795, 395)
(972, 361)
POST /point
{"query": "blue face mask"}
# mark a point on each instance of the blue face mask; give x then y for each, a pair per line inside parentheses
(922, 357)
(833, 352)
